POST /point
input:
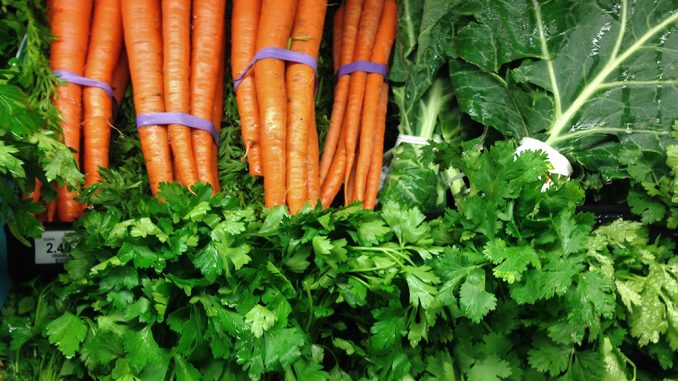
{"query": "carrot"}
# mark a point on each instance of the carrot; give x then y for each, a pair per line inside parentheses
(208, 34)
(141, 24)
(35, 195)
(369, 23)
(275, 25)
(352, 11)
(176, 39)
(336, 37)
(69, 22)
(348, 189)
(382, 50)
(120, 76)
(313, 161)
(52, 211)
(335, 175)
(306, 35)
(218, 111)
(244, 24)
(104, 50)
(374, 173)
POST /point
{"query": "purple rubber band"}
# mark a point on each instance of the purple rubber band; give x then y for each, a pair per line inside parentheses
(153, 118)
(278, 53)
(365, 66)
(71, 77)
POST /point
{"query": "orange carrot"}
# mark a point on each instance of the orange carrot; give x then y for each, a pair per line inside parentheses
(335, 175)
(176, 35)
(275, 25)
(349, 187)
(244, 23)
(141, 24)
(208, 35)
(313, 161)
(102, 57)
(336, 37)
(374, 174)
(382, 50)
(70, 23)
(52, 211)
(349, 33)
(120, 76)
(218, 111)
(306, 36)
(369, 23)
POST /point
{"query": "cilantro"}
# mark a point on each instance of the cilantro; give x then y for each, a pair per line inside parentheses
(549, 358)
(260, 319)
(67, 332)
(489, 369)
(475, 301)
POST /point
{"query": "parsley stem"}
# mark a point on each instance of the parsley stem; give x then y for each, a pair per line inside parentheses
(371, 269)
(388, 251)
(310, 310)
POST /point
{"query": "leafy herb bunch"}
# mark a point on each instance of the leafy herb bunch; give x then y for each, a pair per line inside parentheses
(514, 284)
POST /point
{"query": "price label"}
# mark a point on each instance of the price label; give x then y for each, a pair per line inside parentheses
(51, 248)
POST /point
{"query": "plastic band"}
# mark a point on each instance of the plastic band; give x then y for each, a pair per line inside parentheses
(456, 177)
(365, 66)
(71, 77)
(277, 53)
(153, 118)
(411, 139)
(561, 166)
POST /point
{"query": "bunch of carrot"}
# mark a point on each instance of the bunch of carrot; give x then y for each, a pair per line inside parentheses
(176, 55)
(364, 30)
(95, 53)
(276, 99)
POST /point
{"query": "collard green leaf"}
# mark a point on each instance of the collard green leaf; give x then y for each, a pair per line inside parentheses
(590, 77)
(410, 182)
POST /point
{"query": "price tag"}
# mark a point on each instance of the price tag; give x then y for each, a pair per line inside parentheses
(51, 248)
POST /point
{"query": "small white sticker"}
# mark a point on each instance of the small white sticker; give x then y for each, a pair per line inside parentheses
(51, 248)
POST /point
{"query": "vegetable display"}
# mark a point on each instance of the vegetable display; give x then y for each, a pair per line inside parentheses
(212, 246)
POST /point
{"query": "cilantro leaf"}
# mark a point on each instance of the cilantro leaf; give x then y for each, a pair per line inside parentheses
(260, 320)
(209, 262)
(420, 283)
(283, 347)
(67, 332)
(475, 302)
(491, 368)
(389, 328)
(184, 370)
(141, 348)
(371, 232)
(547, 357)
(512, 261)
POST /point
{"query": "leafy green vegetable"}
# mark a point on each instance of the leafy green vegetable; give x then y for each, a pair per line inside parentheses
(592, 84)
(424, 96)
